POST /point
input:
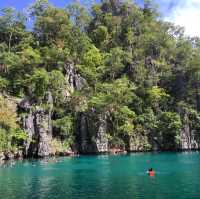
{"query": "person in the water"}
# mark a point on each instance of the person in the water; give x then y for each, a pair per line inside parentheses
(151, 172)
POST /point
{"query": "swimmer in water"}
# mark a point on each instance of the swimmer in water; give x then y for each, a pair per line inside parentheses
(151, 172)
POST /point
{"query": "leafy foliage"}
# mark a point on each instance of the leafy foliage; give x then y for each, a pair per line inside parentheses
(65, 126)
(10, 134)
(141, 72)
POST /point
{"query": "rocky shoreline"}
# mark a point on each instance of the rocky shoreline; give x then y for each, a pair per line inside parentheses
(10, 156)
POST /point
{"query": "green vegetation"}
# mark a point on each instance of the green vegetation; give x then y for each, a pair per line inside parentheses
(141, 72)
(11, 136)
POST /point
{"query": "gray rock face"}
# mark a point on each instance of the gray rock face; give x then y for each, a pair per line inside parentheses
(92, 136)
(44, 131)
(37, 123)
(75, 81)
(101, 137)
(139, 142)
(43, 125)
(189, 140)
(189, 137)
(29, 127)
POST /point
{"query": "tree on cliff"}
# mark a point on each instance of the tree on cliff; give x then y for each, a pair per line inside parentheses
(137, 69)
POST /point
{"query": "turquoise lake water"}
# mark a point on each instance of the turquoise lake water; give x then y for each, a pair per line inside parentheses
(104, 177)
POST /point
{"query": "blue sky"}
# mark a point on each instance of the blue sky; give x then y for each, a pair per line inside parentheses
(185, 13)
(181, 12)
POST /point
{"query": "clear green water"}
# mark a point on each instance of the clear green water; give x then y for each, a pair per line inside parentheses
(104, 177)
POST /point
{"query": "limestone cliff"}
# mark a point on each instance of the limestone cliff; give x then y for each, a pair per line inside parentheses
(189, 138)
(91, 134)
(73, 78)
(36, 121)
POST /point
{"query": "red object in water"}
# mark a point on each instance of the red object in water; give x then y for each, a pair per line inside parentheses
(151, 173)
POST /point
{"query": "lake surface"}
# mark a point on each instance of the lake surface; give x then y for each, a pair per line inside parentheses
(104, 177)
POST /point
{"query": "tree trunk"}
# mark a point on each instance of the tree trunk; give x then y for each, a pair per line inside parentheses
(9, 44)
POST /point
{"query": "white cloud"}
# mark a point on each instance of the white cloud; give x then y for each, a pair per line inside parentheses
(186, 13)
